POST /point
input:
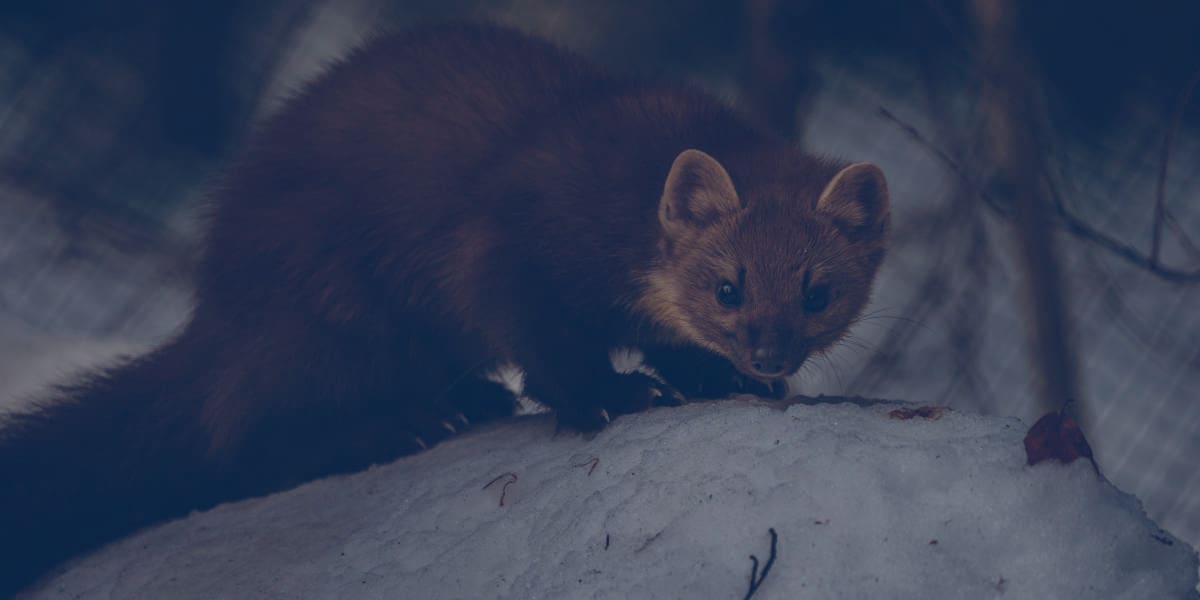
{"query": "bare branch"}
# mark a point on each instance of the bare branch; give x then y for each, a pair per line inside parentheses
(1071, 223)
(1160, 200)
(509, 479)
(756, 578)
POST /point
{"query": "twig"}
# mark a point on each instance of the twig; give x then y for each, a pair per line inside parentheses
(756, 578)
(1080, 229)
(595, 460)
(512, 478)
(1160, 201)
(1184, 239)
(915, 135)
(1069, 221)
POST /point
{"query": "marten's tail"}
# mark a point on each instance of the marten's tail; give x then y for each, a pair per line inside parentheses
(114, 453)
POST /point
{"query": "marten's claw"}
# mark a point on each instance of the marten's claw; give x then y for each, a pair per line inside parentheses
(630, 393)
(671, 397)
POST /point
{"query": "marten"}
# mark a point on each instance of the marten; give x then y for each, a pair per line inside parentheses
(439, 202)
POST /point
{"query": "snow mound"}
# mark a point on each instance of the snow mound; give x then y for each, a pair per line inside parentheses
(672, 503)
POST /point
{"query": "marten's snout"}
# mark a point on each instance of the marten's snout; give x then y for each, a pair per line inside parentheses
(771, 351)
(767, 361)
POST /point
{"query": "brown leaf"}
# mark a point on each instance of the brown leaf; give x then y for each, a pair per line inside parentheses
(1056, 436)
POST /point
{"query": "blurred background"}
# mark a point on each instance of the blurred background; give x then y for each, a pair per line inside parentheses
(1042, 157)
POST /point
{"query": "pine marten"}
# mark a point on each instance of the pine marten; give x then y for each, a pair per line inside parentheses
(438, 202)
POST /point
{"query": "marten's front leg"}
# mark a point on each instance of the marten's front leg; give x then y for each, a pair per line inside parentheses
(701, 374)
(573, 375)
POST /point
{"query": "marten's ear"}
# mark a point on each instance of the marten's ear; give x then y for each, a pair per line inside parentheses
(697, 194)
(857, 199)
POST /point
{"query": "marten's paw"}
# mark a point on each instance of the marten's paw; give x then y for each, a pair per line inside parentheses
(467, 403)
(476, 400)
(628, 393)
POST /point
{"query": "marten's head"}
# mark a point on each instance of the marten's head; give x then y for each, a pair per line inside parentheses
(773, 269)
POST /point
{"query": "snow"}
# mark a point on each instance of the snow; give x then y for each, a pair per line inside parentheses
(672, 503)
(31, 359)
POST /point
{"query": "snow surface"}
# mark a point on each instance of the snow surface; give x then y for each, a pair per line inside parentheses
(672, 503)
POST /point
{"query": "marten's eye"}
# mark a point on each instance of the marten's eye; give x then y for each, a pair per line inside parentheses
(729, 295)
(816, 298)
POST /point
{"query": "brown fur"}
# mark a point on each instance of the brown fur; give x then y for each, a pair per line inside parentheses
(437, 203)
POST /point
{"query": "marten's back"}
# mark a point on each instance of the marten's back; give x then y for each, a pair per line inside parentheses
(379, 153)
(438, 96)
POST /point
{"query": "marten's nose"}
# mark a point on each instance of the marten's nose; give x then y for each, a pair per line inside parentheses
(767, 361)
